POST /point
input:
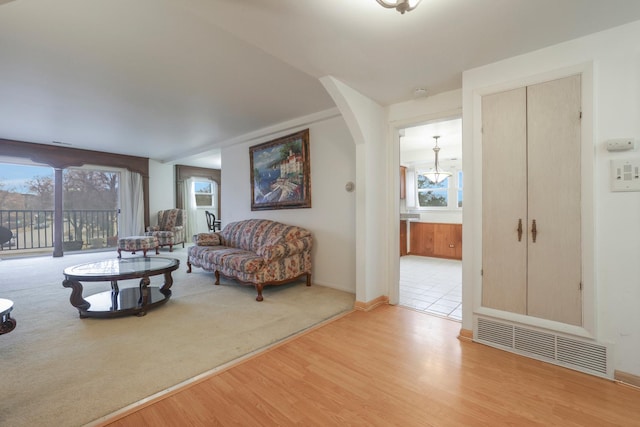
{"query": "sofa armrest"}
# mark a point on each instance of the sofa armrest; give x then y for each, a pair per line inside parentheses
(285, 249)
(206, 239)
(153, 228)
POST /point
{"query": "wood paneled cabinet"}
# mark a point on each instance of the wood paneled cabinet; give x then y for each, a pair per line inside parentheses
(436, 240)
(531, 201)
(403, 238)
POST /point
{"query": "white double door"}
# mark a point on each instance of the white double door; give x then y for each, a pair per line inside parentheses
(531, 201)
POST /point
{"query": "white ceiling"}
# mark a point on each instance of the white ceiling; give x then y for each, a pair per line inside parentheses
(175, 80)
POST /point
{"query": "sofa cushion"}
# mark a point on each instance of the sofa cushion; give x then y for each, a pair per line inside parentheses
(198, 251)
(206, 239)
(234, 259)
(253, 234)
(285, 248)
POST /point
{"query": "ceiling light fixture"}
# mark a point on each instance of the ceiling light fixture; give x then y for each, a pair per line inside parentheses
(401, 6)
(419, 92)
(436, 175)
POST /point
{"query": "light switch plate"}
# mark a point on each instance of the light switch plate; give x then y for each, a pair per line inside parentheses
(625, 175)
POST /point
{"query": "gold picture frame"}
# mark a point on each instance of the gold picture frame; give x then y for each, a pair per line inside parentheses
(281, 173)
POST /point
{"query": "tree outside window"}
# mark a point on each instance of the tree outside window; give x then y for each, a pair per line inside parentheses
(86, 194)
(90, 203)
(206, 195)
(431, 194)
(447, 194)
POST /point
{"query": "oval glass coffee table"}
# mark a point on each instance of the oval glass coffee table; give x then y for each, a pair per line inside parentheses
(118, 302)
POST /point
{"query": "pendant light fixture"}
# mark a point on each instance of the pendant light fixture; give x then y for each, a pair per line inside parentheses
(401, 6)
(436, 175)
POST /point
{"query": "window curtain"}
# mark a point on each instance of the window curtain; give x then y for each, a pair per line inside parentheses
(214, 190)
(189, 203)
(410, 187)
(131, 220)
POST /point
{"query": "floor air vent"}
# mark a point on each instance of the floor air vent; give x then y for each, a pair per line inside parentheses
(495, 332)
(535, 342)
(583, 356)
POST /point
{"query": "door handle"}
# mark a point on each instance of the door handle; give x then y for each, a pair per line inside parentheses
(534, 230)
(520, 230)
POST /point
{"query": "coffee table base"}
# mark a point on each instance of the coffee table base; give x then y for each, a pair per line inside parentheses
(123, 302)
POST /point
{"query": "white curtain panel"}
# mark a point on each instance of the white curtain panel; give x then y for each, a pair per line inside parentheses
(131, 220)
(191, 207)
(410, 188)
(214, 186)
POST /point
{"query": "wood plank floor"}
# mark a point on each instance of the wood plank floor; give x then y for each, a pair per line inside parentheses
(393, 367)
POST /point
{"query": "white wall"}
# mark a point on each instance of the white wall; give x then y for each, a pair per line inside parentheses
(365, 120)
(615, 55)
(331, 218)
(162, 193)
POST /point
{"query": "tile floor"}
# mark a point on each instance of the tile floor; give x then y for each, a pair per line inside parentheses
(432, 285)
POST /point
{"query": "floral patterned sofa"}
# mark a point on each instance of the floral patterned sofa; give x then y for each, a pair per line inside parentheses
(258, 252)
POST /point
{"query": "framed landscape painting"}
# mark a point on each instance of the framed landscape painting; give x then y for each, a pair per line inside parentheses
(280, 173)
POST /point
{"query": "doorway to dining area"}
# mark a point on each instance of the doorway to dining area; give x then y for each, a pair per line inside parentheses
(431, 199)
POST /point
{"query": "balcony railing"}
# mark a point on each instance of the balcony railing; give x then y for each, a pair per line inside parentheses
(82, 229)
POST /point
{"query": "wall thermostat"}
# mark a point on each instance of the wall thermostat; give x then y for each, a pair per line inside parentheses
(625, 175)
(621, 144)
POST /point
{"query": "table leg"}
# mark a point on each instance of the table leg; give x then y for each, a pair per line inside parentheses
(144, 295)
(115, 292)
(7, 325)
(168, 281)
(76, 295)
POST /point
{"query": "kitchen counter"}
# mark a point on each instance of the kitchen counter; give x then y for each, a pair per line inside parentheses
(409, 216)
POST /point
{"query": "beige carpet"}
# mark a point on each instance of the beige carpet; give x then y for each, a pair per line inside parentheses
(60, 370)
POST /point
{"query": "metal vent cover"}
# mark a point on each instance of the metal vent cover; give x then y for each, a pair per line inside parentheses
(589, 357)
(495, 332)
(536, 342)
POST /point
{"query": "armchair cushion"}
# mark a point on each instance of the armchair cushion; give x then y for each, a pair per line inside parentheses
(170, 218)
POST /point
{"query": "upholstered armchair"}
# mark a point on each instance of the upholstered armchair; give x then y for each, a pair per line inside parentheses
(170, 229)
